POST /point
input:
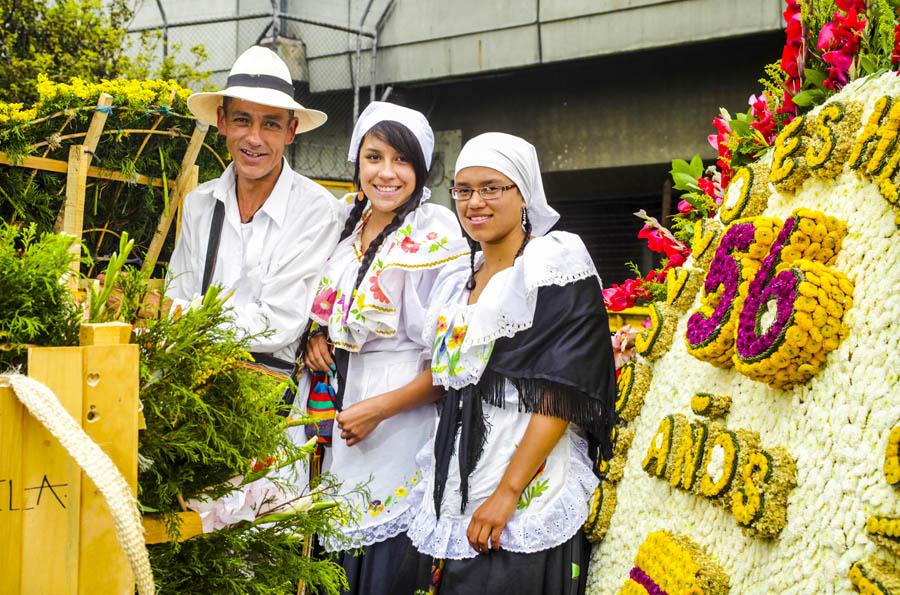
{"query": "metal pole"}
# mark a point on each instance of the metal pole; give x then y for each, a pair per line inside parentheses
(372, 79)
(362, 22)
(162, 13)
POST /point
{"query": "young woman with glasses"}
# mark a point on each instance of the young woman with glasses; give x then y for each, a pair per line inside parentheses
(523, 348)
(370, 309)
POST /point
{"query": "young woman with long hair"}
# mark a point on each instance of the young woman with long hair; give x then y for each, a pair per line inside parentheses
(370, 310)
(522, 344)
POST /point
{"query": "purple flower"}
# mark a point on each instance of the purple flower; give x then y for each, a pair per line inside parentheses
(644, 580)
(782, 288)
(724, 271)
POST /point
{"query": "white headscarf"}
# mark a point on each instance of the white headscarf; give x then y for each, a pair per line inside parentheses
(517, 159)
(380, 111)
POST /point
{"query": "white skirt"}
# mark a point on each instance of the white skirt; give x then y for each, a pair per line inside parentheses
(384, 461)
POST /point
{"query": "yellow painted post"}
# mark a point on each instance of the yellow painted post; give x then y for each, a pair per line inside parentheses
(110, 417)
(185, 182)
(11, 419)
(51, 482)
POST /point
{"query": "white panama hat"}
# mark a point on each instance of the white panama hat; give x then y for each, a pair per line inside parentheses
(260, 76)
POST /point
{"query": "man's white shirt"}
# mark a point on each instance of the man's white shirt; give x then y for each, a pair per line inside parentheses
(272, 264)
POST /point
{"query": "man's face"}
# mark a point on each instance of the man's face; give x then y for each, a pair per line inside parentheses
(256, 136)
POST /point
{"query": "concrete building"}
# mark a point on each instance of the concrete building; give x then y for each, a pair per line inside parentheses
(609, 91)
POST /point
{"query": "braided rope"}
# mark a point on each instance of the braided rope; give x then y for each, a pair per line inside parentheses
(45, 407)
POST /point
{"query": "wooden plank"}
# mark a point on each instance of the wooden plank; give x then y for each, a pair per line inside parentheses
(632, 316)
(182, 187)
(98, 122)
(191, 183)
(51, 519)
(110, 418)
(110, 333)
(73, 209)
(61, 167)
(191, 526)
(11, 419)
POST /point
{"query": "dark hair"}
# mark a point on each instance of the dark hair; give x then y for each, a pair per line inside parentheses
(473, 246)
(406, 144)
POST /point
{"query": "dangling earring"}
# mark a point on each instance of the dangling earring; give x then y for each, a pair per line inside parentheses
(525, 219)
(360, 196)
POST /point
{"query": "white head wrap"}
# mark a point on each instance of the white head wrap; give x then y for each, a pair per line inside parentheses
(379, 111)
(517, 159)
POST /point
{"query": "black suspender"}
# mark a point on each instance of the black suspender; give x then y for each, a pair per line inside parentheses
(212, 248)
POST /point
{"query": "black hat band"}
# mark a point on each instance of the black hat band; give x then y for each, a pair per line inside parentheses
(265, 81)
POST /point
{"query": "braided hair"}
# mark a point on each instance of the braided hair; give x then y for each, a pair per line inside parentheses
(406, 144)
(473, 246)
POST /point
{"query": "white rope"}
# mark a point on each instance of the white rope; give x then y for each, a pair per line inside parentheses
(45, 407)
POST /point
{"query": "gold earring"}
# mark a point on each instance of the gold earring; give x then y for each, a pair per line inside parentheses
(360, 196)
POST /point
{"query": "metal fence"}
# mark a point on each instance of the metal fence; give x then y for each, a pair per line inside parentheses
(334, 65)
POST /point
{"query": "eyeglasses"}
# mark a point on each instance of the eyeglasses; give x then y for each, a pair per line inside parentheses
(485, 192)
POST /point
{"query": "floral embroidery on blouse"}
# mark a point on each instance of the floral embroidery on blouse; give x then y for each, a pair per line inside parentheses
(448, 358)
(377, 506)
(535, 488)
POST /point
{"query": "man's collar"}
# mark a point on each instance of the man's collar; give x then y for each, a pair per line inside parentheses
(276, 205)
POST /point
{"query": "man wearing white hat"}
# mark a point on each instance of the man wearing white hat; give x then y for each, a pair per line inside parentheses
(260, 230)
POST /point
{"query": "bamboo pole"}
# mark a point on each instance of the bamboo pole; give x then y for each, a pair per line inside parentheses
(61, 167)
(76, 178)
(185, 182)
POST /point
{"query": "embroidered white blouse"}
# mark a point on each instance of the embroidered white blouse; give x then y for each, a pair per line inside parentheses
(381, 325)
(272, 263)
(555, 503)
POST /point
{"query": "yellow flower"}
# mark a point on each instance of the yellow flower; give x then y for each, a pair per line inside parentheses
(400, 493)
(457, 336)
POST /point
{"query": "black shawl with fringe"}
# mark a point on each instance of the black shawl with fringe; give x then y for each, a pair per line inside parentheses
(562, 366)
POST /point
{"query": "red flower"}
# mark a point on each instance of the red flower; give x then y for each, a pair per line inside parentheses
(620, 297)
(763, 120)
(707, 186)
(376, 290)
(792, 55)
(408, 245)
(895, 58)
(660, 243)
(719, 142)
(839, 41)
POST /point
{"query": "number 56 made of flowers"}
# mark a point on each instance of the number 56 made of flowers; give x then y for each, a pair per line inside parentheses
(771, 305)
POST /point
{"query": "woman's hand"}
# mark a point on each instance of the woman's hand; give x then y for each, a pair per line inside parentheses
(490, 518)
(358, 420)
(318, 355)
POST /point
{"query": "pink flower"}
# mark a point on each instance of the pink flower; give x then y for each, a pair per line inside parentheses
(431, 235)
(324, 303)
(623, 345)
(685, 207)
(375, 288)
(409, 245)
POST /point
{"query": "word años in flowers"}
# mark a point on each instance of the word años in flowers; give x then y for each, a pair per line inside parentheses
(892, 457)
(728, 467)
(671, 563)
(771, 305)
(44, 494)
